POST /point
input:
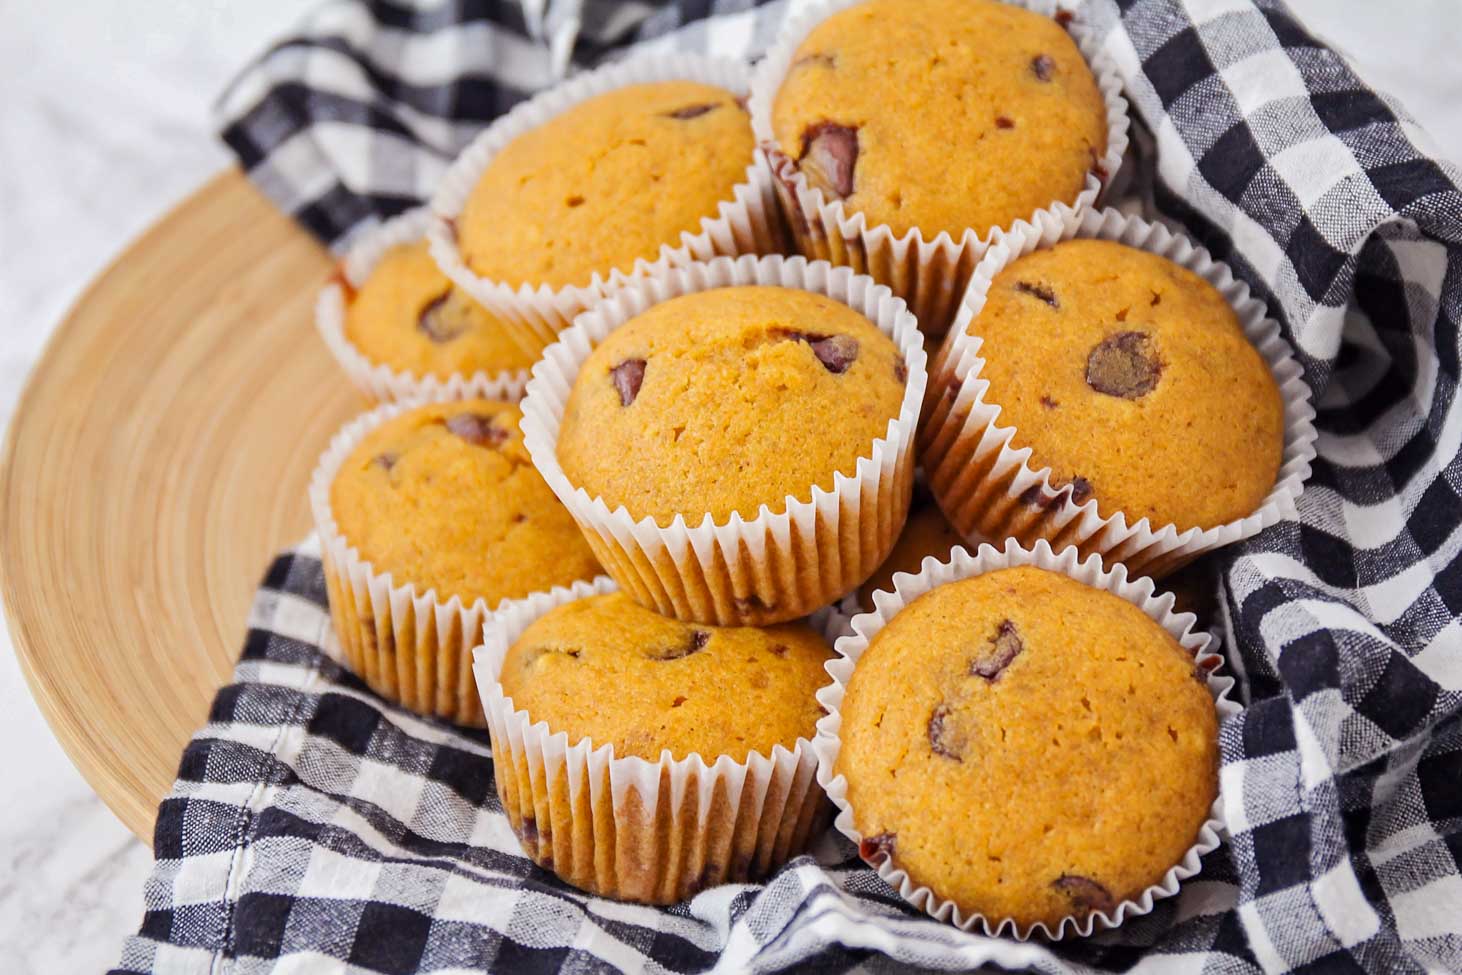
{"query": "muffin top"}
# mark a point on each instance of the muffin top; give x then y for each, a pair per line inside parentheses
(604, 183)
(1028, 746)
(408, 316)
(927, 532)
(445, 497)
(727, 400)
(944, 115)
(1130, 377)
(689, 688)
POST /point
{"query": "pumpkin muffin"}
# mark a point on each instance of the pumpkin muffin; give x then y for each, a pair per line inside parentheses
(606, 182)
(926, 533)
(444, 496)
(678, 687)
(726, 400)
(1028, 747)
(941, 115)
(408, 317)
(1131, 378)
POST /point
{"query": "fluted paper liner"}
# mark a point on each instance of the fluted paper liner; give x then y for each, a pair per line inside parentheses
(408, 645)
(748, 223)
(963, 565)
(930, 274)
(626, 827)
(978, 477)
(781, 564)
(379, 381)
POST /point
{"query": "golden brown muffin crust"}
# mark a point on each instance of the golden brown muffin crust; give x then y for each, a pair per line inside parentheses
(445, 497)
(1028, 746)
(941, 114)
(1130, 377)
(726, 400)
(607, 669)
(604, 183)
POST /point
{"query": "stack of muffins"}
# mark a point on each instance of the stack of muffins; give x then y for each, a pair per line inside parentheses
(704, 571)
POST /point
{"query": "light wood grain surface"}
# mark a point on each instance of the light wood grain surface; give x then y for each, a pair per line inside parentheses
(158, 456)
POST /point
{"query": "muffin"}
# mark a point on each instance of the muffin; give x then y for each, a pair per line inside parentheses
(1028, 747)
(926, 533)
(604, 183)
(407, 316)
(725, 710)
(940, 115)
(1131, 378)
(441, 501)
(726, 401)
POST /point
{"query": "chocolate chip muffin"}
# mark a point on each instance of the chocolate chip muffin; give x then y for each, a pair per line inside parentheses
(941, 115)
(606, 182)
(679, 687)
(926, 533)
(1131, 378)
(444, 496)
(1028, 747)
(408, 317)
(728, 400)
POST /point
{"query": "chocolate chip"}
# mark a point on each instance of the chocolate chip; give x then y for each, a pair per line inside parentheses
(829, 156)
(901, 370)
(877, 849)
(1041, 292)
(696, 640)
(945, 736)
(835, 352)
(1086, 894)
(386, 459)
(691, 111)
(1064, 17)
(1005, 646)
(1042, 66)
(627, 377)
(1049, 403)
(1124, 365)
(477, 429)
(779, 649)
(1004, 122)
(1080, 490)
(435, 322)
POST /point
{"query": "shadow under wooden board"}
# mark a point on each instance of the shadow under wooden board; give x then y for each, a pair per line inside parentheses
(158, 458)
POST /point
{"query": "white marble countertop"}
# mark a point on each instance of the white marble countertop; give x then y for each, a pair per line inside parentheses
(103, 126)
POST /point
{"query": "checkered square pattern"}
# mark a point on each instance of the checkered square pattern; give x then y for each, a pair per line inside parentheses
(315, 828)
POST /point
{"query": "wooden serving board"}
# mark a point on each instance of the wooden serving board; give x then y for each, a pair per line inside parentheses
(158, 457)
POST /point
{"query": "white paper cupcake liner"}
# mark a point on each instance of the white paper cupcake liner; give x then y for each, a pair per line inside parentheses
(963, 565)
(376, 380)
(408, 645)
(978, 477)
(748, 223)
(929, 274)
(778, 565)
(656, 832)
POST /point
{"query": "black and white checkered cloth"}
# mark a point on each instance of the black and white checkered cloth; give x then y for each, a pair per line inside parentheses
(313, 828)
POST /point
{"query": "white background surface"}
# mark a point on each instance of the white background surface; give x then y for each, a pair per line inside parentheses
(104, 124)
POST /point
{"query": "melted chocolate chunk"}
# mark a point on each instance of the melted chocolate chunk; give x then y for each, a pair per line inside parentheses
(1005, 646)
(477, 429)
(829, 156)
(696, 640)
(945, 737)
(691, 111)
(836, 352)
(1124, 365)
(1004, 122)
(437, 324)
(386, 459)
(1080, 489)
(1041, 292)
(1049, 403)
(1042, 66)
(877, 849)
(627, 377)
(1086, 894)
(1064, 17)
(901, 370)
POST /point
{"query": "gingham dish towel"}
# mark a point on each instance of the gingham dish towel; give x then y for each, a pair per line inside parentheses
(314, 828)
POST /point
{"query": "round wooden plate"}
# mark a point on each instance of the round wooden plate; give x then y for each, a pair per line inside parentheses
(158, 457)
